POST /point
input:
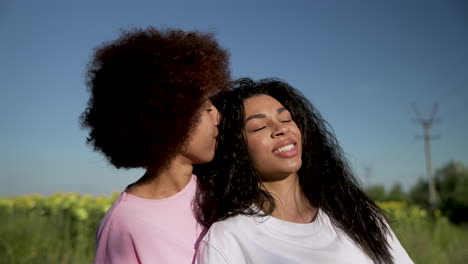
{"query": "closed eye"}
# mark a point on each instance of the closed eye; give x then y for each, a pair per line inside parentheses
(286, 121)
(258, 129)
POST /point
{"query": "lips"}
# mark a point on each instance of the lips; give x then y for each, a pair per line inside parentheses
(286, 149)
(284, 145)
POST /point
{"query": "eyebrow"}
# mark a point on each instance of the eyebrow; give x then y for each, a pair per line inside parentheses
(261, 115)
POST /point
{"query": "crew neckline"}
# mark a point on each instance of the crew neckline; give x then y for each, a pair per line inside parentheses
(285, 228)
(191, 185)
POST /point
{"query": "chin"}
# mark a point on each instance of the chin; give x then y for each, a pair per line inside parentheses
(203, 160)
(295, 166)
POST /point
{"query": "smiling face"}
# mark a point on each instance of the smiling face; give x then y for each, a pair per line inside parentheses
(273, 138)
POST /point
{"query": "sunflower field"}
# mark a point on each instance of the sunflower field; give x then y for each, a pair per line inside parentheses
(61, 229)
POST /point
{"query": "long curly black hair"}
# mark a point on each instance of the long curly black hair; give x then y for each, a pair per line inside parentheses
(229, 185)
(146, 88)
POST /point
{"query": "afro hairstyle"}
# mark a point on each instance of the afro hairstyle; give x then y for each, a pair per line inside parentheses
(146, 88)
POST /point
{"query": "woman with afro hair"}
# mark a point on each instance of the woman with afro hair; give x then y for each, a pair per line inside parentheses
(279, 189)
(150, 107)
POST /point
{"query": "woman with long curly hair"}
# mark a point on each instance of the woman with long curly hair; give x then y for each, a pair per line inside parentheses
(150, 108)
(279, 189)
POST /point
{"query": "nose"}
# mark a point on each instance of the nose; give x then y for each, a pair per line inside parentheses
(280, 130)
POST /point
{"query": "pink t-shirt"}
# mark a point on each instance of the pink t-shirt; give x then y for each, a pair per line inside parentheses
(137, 230)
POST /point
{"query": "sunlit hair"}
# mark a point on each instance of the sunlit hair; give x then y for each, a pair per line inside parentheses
(229, 185)
(146, 88)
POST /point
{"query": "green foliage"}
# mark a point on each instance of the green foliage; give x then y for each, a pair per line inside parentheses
(452, 186)
(61, 229)
(396, 193)
(56, 229)
(433, 241)
(377, 192)
(419, 193)
(427, 240)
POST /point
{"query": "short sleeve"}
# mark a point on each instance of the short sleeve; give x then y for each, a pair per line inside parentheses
(116, 246)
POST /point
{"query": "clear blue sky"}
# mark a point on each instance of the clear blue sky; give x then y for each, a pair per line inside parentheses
(362, 63)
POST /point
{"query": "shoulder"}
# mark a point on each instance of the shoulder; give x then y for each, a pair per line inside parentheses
(226, 233)
(114, 234)
(233, 226)
(235, 230)
(122, 214)
(224, 241)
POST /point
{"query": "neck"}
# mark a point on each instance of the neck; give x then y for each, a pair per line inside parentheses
(291, 204)
(165, 182)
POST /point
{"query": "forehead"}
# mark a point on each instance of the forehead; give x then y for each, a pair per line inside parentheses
(261, 103)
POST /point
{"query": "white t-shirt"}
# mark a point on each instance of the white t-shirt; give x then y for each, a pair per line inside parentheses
(255, 239)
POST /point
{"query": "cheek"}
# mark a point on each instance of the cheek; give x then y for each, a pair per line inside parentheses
(298, 133)
(257, 149)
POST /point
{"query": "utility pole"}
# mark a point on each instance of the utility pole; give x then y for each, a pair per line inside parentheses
(426, 124)
(367, 174)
